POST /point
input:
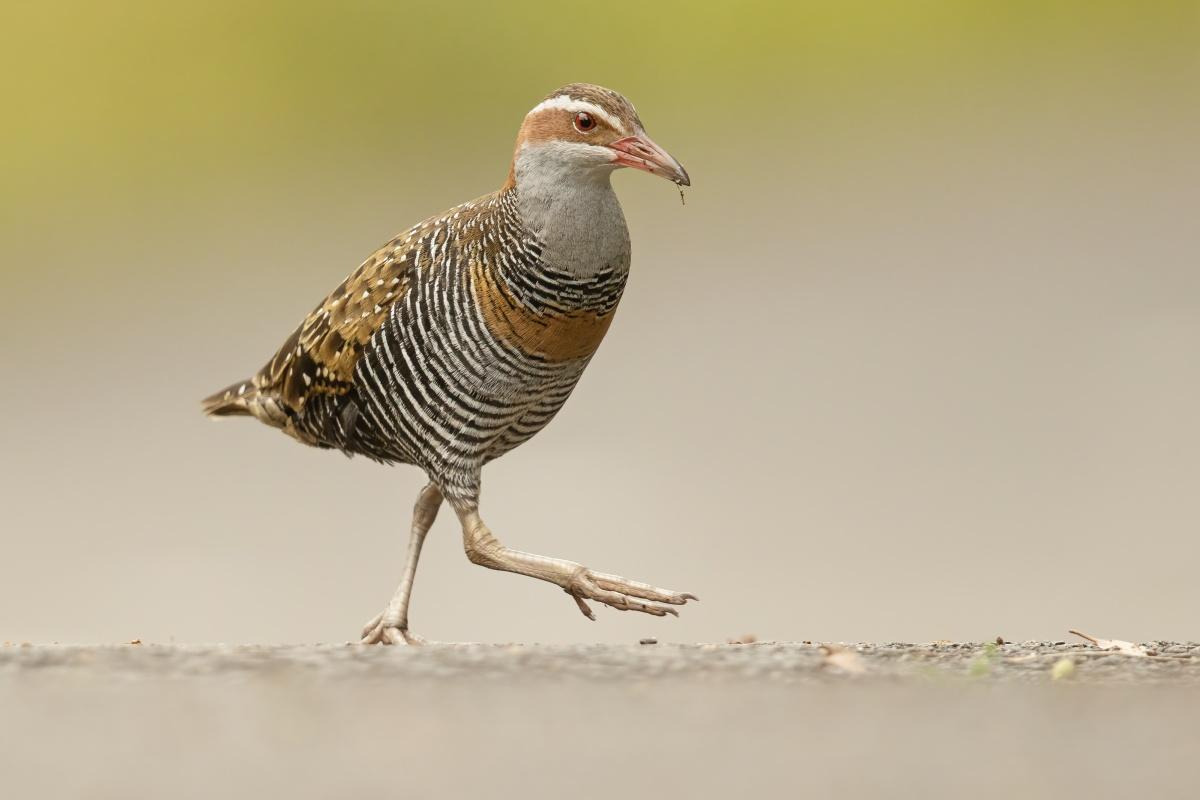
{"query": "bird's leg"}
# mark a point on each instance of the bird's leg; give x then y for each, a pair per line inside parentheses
(391, 627)
(581, 583)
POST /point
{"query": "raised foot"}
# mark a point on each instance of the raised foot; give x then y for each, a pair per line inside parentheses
(622, 594)
(385, 631)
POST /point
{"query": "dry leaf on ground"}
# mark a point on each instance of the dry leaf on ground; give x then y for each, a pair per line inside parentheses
(1125, 648)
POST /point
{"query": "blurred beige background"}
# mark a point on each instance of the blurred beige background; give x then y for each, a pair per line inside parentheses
(917, 360)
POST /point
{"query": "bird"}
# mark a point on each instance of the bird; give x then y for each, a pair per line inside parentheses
(463, 336)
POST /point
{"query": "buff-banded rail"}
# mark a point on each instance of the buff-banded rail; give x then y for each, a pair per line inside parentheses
(463, 336)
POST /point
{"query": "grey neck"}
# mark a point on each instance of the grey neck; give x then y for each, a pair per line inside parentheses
(577, 218)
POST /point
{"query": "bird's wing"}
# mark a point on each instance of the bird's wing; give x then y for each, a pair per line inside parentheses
(320, 355)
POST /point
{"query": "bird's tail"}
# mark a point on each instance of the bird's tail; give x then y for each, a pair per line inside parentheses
(247, 399)
(232, 401)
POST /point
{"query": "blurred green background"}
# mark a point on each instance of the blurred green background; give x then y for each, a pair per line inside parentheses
(917, 359)
(106, 100)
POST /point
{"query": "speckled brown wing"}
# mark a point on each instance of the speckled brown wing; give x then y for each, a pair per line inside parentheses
(320, 355)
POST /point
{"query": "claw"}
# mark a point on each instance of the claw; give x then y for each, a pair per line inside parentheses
(583, 607)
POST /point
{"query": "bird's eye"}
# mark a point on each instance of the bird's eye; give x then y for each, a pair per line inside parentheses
(584, 122)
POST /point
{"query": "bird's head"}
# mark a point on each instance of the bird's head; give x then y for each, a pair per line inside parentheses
(584, 132)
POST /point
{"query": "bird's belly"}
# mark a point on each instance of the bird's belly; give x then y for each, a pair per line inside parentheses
(533, 414)
(446, 398)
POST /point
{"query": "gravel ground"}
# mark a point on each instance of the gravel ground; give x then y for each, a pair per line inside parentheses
(531, 721)
(763, 662)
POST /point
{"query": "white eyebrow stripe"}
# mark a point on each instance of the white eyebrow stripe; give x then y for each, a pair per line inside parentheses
(568, 103)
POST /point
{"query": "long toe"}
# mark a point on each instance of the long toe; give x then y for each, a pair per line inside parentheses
(381, 631)
(615, 583)
(622, 594)
(374, 635)
(371, 626)
(391, 635)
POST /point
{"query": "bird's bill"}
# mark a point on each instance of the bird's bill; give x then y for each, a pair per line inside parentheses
(640, 152)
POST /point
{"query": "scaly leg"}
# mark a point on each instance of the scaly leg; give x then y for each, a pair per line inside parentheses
(391, 627)
(581, 583)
